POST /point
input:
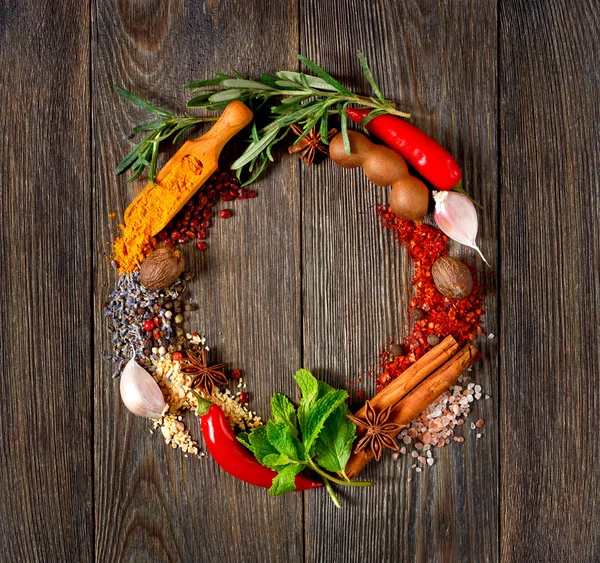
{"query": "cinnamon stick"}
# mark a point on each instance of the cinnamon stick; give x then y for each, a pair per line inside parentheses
(415, 402)
(412, 376)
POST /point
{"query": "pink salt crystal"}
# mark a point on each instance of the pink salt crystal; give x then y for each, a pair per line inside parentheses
(402, 450)
(460, 422)
(395, 456)
(421, 459)
(441, 442)
(480, 423)
(407, 439)
(430, 461)
(414, 454)
(426, 437)
(419, 446)
(412, 432)
(459, 439)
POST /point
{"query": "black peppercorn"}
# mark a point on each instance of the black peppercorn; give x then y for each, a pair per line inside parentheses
(433, 340)
(417, 314)
(397, 350)
(140, 311)
(147, 351)
(169, 305)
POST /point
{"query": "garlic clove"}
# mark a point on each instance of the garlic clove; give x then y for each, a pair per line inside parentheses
(456, 216)
(140, 393)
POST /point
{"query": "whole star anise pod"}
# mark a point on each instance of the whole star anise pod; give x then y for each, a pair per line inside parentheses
(307, 147)
(205, 376)
(379, 433)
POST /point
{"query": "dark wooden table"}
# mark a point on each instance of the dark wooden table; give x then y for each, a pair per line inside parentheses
(302, 276)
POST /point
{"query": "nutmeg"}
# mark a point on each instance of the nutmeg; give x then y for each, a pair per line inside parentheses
(452, 278)
(161, 268)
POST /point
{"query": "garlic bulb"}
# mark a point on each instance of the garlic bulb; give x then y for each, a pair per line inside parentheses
(456, 216)
(140, 393)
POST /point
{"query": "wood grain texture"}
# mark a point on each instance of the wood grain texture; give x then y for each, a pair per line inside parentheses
(439, 60)
(550, 247)
(45, 353)
(151, 502)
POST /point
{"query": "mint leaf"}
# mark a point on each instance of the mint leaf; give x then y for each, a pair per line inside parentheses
(324, 388)
(260, 445)
(310, 392)
(280, 438)
(284, 482)
(278, 462)
(334, 444)
(284, 412)
(244, 438)
(317, 416)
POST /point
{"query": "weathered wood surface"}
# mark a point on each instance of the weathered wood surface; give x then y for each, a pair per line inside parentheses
(302, 275)
(550, 361)
(46, 461)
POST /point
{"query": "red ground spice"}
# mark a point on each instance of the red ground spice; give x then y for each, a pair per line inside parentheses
(459, 318)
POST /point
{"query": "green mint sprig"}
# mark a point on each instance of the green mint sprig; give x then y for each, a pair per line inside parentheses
(279, 101)
(317, 435)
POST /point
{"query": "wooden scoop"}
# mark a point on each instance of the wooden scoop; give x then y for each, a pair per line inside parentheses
(181, 177)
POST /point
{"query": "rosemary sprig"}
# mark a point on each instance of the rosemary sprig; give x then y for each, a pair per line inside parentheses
(145, 154)
(302, 99)
(283, 99)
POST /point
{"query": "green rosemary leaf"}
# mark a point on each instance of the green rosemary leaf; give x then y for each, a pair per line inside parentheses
(207, 83)
(307, 80)
(141, 103)
(226, 95)
(369, 75)
(153, 161)
(199, 101)
(324, 75)
(137, 173)
(263, 165)
(249, 84)
(287, 84)
(237, 74)
(148, 126)
(324, 128)
(344, 125)
(126, 162)
(220, 106)
(256, 148)
(269, 80)
(288, 101)
(373, 114)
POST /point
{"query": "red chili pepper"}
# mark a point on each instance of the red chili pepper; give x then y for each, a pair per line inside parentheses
(432, 161)
(234, 458)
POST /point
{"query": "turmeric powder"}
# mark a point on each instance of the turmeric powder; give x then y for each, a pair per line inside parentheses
(176, 183)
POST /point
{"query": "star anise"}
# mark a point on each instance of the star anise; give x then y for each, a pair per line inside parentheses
(379, 433)
(205, 376)
(307, 147)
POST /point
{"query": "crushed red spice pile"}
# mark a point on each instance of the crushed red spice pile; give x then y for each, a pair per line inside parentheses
(442, 316)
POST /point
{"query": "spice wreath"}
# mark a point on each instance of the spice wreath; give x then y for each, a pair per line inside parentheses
(423, 393)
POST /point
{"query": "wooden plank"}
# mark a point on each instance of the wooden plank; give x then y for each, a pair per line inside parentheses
(551, 306)
(151, 503)
(45, 359)
(439, 60)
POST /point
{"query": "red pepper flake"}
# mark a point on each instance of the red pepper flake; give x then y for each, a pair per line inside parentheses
(443, 316)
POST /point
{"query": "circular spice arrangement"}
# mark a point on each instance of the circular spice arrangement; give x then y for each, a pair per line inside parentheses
(165, 369)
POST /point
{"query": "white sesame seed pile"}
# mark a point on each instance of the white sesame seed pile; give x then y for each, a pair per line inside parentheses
(175, 386)
(435, 426)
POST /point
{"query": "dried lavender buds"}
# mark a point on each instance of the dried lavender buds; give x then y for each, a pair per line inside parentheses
(144, 323)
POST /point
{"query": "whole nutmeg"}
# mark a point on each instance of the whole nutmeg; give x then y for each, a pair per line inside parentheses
(452, 278)
(161, 268)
